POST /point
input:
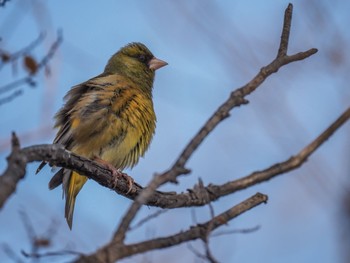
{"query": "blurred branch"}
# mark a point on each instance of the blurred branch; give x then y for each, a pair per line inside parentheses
(32, 66)
(11, 97)
(148, 218)
(38, 242)
(3, 2)
(11, 254)
(7, 58)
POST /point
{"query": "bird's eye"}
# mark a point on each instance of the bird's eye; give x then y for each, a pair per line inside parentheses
(142, 58)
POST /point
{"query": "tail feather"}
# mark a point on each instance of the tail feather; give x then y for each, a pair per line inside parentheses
(57, 179)
(75, 183)
(40, 167)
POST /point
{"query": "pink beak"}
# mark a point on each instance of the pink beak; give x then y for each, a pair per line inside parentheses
(156, 63)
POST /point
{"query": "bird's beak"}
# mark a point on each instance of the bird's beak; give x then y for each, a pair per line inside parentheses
(156, 63)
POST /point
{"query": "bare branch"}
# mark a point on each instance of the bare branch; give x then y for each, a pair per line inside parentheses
(148, 218)
(115, 251)
(3, 2)
(236, 231)
(51, 254)
(15, 171)
(237, 98)
(283, 167)
(282, 51)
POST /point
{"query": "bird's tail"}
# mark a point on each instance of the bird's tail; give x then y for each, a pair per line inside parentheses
(72, 185)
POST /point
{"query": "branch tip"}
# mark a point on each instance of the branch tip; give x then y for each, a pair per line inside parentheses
(283, 48)
(15, 142)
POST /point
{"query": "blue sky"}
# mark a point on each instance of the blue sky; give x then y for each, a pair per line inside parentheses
(212, 48)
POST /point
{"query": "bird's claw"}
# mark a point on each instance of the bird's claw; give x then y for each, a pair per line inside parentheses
(117, 175)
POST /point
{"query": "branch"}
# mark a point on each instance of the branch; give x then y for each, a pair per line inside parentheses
(15, 56)
(113, 252)
(197, 196)
(34, 68)
(15, 171)
(236, 99)
(3, 2)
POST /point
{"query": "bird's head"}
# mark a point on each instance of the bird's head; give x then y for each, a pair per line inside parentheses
(137, 62)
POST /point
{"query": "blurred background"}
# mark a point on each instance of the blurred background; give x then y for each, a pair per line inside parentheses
(212, 48)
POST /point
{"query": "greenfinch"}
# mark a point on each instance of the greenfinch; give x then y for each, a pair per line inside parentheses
(108, 118)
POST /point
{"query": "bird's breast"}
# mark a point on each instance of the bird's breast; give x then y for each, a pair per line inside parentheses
(117, 127)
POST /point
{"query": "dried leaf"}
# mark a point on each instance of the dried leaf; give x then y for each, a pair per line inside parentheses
(30, 65)
(42, 242)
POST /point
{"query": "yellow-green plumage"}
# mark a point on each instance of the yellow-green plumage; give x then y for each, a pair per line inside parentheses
(110, 117)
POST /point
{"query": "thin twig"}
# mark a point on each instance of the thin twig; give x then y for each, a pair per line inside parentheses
(148, 218)
(208, 254)
(236, 231)
(50, 254)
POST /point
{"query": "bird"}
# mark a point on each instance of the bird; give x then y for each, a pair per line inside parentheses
(109, 118)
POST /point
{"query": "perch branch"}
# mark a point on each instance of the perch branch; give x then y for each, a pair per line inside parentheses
(198, 196)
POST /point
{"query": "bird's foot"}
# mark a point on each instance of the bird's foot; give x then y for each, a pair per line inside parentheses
(128, 178)
(117, 174)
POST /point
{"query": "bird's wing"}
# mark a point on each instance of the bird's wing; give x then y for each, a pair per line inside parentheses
(63, 116)
(74, 97)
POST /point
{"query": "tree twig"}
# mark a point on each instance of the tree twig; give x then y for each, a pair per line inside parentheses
(115, 251)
